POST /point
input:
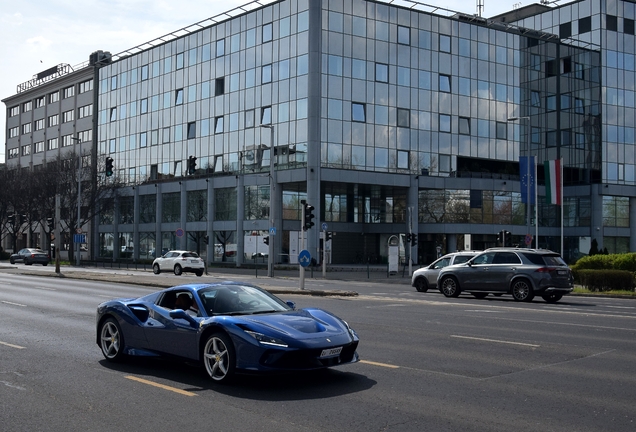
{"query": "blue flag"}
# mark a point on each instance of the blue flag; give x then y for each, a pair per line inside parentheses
(526, 175)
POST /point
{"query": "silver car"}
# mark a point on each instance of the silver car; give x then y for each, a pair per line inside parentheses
(426, 278)
(523, 273)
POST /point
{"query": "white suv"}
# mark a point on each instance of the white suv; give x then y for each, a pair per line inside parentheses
(179, 262)
(426, 278)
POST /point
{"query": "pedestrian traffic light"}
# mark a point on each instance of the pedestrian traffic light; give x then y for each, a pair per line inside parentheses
(266, 240)
(206, 239)
(50, 222)
(413, 239)
(309, 215)
(109, 166)
(328, 235)
(192, 165)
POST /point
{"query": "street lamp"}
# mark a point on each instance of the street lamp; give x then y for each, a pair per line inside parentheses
(528, 173)
(79, 198)
(272, 187)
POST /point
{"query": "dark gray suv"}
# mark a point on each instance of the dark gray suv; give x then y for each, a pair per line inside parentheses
(523, 273)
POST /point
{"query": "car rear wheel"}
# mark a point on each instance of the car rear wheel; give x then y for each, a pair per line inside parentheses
(552, 297)
(199, 273)
(218, 357)
(421, 285)
(450, 287)
(111, 340)
(522, 290)
(480, 295)
(178, 270)
(156, 269)
(27, 262)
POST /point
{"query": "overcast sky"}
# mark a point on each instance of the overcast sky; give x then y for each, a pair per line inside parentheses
(38, 34)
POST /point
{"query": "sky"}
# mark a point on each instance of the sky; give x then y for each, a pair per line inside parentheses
(36, 35)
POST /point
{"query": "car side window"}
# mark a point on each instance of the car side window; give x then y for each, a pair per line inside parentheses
(442, 263)
(485, 258)
(506, 258)
(460, 259)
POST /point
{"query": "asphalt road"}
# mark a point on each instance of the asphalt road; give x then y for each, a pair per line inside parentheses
(428, 363)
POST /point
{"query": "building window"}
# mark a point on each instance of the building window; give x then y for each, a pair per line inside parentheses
(611, 22)
(382, 72)
(358, 112)
(54, 97)
(14, 153)
(551, 102)
(85, 111)
(14, 111)
(14, 132)
(579, 106)
(144, 72)
(178, 97)
(220, 48)
(179, 61)
(565, 30)
(85, 136)
(27, 106)
(218, 125)
(192, 130)
(628, 26)
(68, 92)
(444, 43)
(219, 86)
(585, 25)
(39, 124)
(54, 120)
(403, 117)
(444, 83)
(67, 116)
(464, 125)
(26, 128)
(404, 35)
(38, 147)
(113, 114)
(615, 211)
(551, 139)
(39, 102)
(266, 74)
(502, 130)
(403, 159)
(143, 139)
(266, 115)
(26, 150)
(536, 135)
(51, 144)
(67, 140)
(579, 140)
(444, 123)
(535, 99)
(85, 86)
(267, 32)
(249, 119)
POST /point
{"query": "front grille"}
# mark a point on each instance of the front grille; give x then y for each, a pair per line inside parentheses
(306, 359)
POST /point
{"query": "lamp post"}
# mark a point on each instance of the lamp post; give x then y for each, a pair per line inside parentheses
(79, 198)
(272, 188)
(528, 172)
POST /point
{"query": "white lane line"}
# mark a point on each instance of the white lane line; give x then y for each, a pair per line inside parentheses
(14, 304)
(11, 345)
(621, 307)
(496, 341)
(46, 289)
(383, 306)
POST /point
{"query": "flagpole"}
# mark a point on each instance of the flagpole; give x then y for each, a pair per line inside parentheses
(562, 204)
(536, 206)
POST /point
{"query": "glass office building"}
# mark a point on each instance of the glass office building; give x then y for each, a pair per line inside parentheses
(386, 119)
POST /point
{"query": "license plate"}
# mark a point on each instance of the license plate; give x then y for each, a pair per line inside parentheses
(562, 272)
(331, 352)
(194, 261)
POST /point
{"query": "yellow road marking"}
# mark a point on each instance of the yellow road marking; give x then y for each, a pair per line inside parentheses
(11, 345)
(497, 341)
(379, 364)
(162, 386)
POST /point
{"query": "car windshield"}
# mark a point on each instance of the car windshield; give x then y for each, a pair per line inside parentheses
(190, 255)
(239, 300)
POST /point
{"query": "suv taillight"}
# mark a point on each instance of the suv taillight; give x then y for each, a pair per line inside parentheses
(545, 270)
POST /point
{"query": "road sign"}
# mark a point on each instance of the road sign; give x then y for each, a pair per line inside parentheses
(528, 239)
(79, 238)
(179, 232)
(304, 258)
(324, 226)
(272, 231)
(78, 230)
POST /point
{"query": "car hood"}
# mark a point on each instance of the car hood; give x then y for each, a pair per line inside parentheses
(300, 324)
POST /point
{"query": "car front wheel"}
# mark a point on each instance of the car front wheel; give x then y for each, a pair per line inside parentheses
(552, 297)
(522, 290)
(218, 357)
(156, 269)
(178, 270)
(450, 287)
(111, 340)
(11, 261)
(421, 285)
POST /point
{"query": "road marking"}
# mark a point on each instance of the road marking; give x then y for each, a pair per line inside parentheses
(162, 386)
(621, 307)
(105, 296)
(379, 364)
(388, 305)
(11, 345)
(14, 304)
(496, 341)
(46, 289)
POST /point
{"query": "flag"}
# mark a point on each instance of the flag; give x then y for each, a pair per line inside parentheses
(526, 174)
(553, 181)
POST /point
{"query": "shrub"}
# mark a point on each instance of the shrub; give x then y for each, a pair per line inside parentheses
(604, 280)
(626, 261)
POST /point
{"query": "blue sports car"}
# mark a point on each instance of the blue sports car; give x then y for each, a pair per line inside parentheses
(230, 327)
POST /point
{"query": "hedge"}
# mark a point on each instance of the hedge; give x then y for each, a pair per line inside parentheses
(604, 280)
(626, 261)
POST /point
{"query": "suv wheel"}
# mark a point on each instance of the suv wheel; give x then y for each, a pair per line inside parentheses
(552, 298)
(449, 287)
(421, 285)
(177, 270)
(156, 269)
(522, 290)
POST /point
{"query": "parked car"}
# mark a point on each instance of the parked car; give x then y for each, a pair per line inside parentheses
(30, 256)
(178, 262)
(523, 273)
(425, 278)
(228, 327)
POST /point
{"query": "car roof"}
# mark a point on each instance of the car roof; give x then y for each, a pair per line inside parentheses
(509, 249)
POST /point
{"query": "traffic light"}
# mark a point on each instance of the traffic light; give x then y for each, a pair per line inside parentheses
(309, 215)
(508, 239)
(206, 239)
(500, 237)
(266, 240)
(109, 166)
(192, 165)
(328, 235)
(50, 222)
(22, 219)
(408, 238)
(11, 219)
(413, 239)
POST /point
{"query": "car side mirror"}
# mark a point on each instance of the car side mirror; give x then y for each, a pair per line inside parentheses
(181, 314)
(291, 304)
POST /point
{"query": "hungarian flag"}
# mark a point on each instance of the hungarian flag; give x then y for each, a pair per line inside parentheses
(553, 181)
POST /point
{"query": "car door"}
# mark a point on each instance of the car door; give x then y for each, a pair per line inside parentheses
(504, 267)
(476, 275)
(167, 261)
(433, 270)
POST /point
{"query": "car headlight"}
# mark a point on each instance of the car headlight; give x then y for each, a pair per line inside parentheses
(351, 331)
(267, 340)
